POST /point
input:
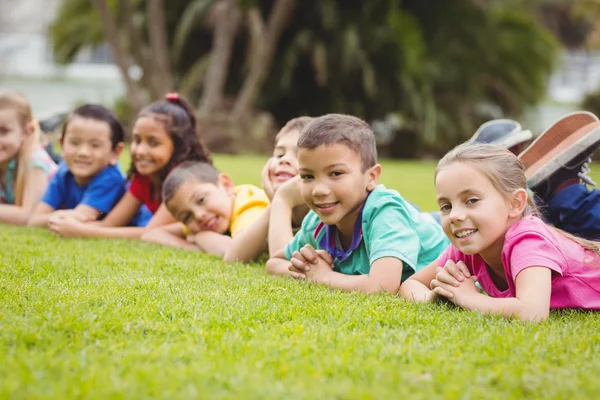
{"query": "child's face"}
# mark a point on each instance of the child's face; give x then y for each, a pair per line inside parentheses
(333, 185)
(87, 148)
(285, 159)
(151, 146)
(12, 134)
(204, 206)
(475, 215)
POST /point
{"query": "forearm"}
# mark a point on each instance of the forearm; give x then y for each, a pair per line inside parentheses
(212, 243)
(14, 215)
(166, 238)
(510, 307)
(278, 266)
(96, 231)
(414, 290)
(250, 243)
(361, 283)
(39, 220)
(280, 226)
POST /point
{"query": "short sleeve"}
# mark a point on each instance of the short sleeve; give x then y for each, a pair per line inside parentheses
(250, 204)
(40, 159)
(304, 236)
(138, 188)
(53, 196)
(391, 233)
(104, 190)
(452, 253)
(532, 249)
(246, 218)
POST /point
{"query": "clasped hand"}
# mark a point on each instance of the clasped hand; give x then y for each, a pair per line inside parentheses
(310, 264)
(455, 283)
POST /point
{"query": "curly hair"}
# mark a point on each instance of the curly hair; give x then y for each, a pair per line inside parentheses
(178, 119)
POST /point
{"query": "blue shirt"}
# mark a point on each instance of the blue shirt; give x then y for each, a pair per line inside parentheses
(101, 193)
(387, 226)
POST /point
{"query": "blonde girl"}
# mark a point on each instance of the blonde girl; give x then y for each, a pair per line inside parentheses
(25, 167)
(525, 266)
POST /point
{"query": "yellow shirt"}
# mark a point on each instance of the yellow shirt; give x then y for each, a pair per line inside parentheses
(249, 203)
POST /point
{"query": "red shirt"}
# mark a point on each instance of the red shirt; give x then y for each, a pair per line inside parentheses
(141, 189)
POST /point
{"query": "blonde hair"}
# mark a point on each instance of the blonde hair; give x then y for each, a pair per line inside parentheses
(507, 174)
(19, 103)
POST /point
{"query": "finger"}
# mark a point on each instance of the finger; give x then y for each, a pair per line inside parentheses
(295, 271)
(297, 255)
(310, 254)
(447, 278)
(451, 268)
(325, 256)
(464, 269)
(442, 292)
(301, 266)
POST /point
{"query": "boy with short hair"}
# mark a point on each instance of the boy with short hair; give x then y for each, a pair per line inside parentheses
(358, 235)
(88, 182)
(214, 212)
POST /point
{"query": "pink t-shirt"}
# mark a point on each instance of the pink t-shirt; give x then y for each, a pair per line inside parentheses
(531, 243)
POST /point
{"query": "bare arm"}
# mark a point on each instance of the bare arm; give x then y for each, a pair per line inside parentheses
(212, 242)
(278, 264)
(169, 235)
(41, 215)
(416, 287)
(251, 242)
(280, 221)
(36, 182)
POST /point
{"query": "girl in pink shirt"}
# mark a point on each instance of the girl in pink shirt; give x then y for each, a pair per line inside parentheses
(497, 239)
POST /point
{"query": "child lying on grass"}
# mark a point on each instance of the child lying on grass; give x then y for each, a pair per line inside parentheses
(358, 235)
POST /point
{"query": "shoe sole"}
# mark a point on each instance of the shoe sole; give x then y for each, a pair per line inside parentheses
(553, 136)
(562, 154)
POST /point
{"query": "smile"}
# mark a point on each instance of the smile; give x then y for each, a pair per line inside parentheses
(326, 207)
(464, 233)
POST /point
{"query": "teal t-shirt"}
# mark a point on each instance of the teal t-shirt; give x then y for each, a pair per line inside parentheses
(391, 227)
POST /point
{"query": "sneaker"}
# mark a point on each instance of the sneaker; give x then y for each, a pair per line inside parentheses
(502, 132)
(561, 155)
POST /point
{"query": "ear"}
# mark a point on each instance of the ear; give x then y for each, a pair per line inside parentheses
(116, 153)
(373, 173)
(518, 203)
(30, 128)
(226, 183)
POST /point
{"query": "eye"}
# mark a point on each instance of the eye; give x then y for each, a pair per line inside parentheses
(306, 177)
(186, 217)
(153, 143)
(472, 200)
(337, 173)
(278, 154)
(136, 139)
(200, 200)
(445, 207)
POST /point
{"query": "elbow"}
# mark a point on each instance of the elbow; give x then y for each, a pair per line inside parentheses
(32, 222)
(271, 266)
(151, 236)
(534, 316)
(230, 257)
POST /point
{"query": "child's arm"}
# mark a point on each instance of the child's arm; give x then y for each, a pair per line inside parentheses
(41, 215)
(279, 265)
(36, 181)
(212, 242)
(416, 287)
(385, 274)
(251, 242)
(169, 235)
(280, 220)
(532, 302)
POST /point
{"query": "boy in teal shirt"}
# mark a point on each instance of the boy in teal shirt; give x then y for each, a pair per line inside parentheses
(358, 235)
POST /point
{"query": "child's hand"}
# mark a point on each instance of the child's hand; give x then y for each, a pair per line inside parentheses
(290, 192)
(267, 179)
(64, 226)
(303, 261)
(453, 273)
(463, 295)
(59, 214)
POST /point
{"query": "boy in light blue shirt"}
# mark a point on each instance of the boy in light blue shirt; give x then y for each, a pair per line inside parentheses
(358, 235)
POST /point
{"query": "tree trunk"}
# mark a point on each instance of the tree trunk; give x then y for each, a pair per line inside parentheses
(262, 56)
(227, 21)
(157, 32)
(134, 95)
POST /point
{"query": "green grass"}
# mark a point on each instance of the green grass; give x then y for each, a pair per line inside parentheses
(121, 319)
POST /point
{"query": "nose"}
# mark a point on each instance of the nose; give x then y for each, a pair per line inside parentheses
(199, 215)
(320, 190)
(84, 150)
(457, 214)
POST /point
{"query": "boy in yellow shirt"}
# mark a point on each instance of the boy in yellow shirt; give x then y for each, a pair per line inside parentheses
(214, 212)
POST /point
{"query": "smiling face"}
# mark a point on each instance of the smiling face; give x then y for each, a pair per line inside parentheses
(87, 148)
(151, 146)
(285, 164)
(333, 185)
(12, 134)
(475, 215)
(204, 206)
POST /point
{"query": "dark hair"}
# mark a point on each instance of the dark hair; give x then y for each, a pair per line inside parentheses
(295, 124)
(98, 113)
(347, 130)
(179, 121)
(188, 171)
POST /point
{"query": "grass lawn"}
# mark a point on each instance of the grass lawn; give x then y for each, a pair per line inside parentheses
(122, 319)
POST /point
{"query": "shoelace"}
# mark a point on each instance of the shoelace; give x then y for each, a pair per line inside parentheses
(585, 170)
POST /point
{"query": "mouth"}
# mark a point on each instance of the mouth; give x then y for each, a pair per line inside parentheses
(464, 233)
(283, 176)
(143, 163)
(326, 208)
(211, 224)
(83, 164)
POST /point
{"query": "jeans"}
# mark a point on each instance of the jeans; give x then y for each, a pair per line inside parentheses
(575, 209)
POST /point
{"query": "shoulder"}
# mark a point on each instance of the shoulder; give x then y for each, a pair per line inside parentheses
(529, 228)
(250, 193)
(381, 200)
(111, 172)
(311, 222)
